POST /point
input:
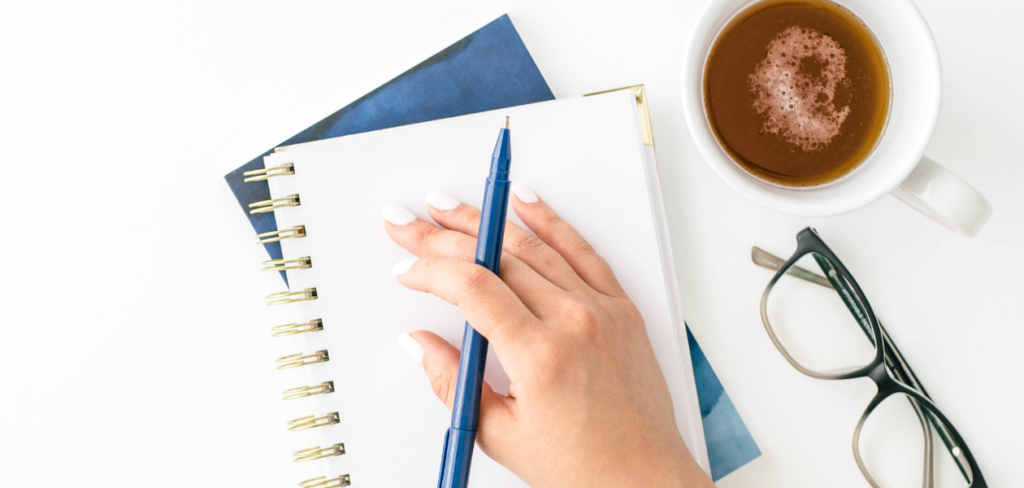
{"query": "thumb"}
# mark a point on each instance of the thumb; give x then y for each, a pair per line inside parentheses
(440, 360)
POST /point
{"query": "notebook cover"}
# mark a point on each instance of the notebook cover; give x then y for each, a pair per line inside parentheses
(729, 442)
(488, 69)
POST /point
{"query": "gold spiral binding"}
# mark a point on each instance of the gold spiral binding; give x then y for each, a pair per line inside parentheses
(305, 391)
(315, 453)
(271, 205)
(323, 482)
(292, 329)
(312, 422)
(280, 235)
(291, 296)
(296, 360)
(267, 173)
(283, 264)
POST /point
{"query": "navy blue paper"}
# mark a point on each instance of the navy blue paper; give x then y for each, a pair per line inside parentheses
(489, 69)
(729, 442)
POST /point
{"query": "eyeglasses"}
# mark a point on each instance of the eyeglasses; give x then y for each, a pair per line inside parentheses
(809, 316)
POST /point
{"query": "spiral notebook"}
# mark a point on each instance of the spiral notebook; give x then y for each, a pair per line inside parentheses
(377, 420)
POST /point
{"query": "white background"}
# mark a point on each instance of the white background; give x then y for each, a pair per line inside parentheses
(134, 343)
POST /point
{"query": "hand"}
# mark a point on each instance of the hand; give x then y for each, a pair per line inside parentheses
(587, 404)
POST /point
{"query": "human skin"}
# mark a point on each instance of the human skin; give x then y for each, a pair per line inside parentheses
(587, 404)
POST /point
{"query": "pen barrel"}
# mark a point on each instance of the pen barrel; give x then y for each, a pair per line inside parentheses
(491, 233)
(466, 410)
(461, 437)
(459, 455)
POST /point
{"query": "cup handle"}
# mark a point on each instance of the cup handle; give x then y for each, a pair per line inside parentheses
(938, 193)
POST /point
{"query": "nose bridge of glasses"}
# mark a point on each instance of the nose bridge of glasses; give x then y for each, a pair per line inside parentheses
(881, 377)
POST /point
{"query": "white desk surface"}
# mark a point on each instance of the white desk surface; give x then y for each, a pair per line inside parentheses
(132, 311)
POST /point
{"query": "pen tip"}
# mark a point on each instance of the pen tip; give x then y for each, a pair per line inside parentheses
(506, 122)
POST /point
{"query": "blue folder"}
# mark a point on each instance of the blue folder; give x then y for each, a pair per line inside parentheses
(489, 69)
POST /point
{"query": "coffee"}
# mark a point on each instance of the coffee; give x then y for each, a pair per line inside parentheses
(797, 92)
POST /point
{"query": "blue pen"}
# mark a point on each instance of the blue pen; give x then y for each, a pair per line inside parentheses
(461, 436)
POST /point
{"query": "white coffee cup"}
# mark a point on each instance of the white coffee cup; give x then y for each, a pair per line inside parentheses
(896, 165)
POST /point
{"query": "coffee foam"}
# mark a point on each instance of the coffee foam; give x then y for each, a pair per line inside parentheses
(798, 106)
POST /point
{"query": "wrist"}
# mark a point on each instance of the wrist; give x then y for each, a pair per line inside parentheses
(679, 469)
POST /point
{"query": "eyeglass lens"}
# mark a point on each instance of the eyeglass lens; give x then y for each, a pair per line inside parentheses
(901, 445)
(821, 328)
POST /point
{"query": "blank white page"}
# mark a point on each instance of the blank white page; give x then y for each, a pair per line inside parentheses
(583, 156)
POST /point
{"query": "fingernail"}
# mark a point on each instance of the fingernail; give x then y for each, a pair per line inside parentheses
(402, 266)
(525, 194)
(398, 215)
(442, 201)
(412, 348)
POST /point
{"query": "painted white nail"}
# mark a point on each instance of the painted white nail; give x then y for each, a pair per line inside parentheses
(525, 194)
(442, 201)
(412, 348)
(398, 215)
(402, 266)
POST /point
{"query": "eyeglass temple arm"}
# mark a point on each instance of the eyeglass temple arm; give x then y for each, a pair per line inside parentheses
(894, 359)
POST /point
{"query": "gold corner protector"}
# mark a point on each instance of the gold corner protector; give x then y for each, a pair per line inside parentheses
(642, 109)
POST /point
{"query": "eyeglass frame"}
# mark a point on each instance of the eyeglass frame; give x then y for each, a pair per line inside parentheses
(888, 369)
